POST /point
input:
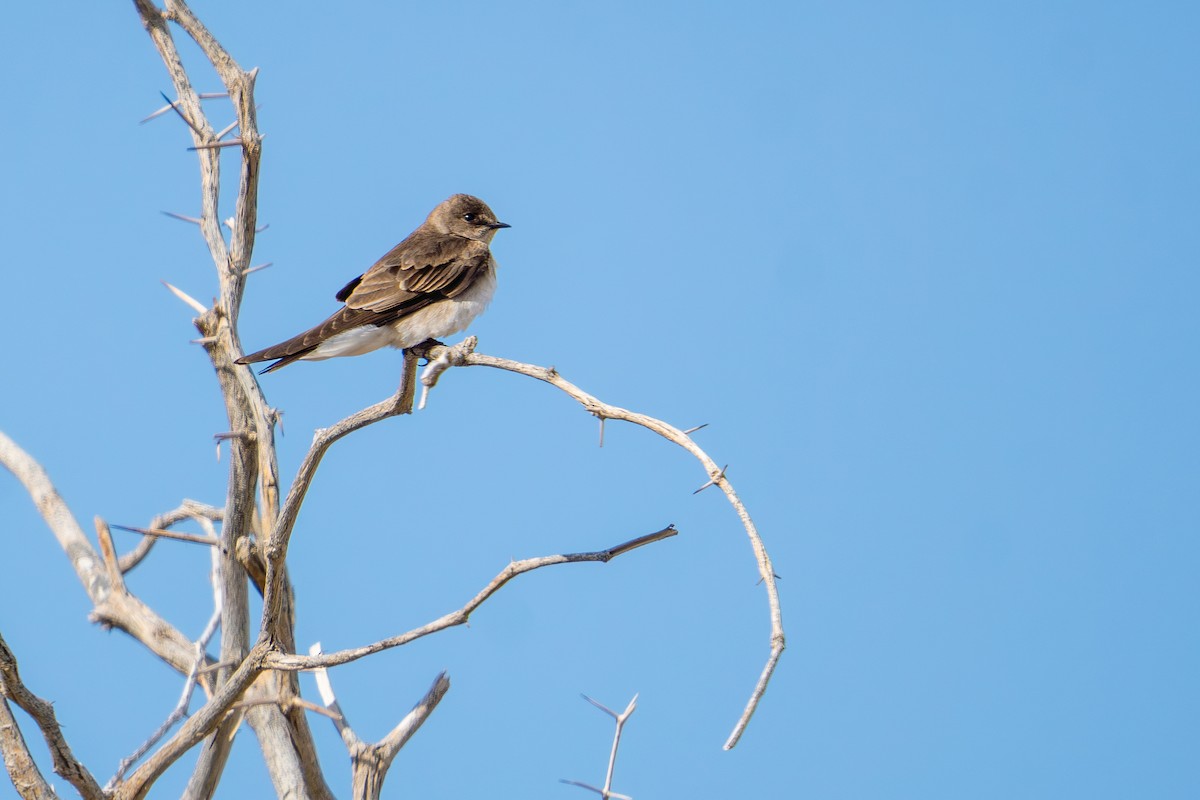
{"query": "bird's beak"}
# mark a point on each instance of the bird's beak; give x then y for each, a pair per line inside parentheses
(498, 225)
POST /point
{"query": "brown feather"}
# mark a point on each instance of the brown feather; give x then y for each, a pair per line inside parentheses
(437, 261)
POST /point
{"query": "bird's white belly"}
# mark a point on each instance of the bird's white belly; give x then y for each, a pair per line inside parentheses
(432, 322)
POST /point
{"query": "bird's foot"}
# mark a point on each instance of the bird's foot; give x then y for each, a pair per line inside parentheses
(422, 350)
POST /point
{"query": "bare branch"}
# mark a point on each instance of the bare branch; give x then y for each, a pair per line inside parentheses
(83, 557)
(391, 744)
(325, 689)
(716, 478)
(199, 725)
(178, 713)
(65, 763)
(188, 509)
(211, 541)
(606, 793)
(26, 778)
(372, 761)
(461, 616)
(277, 544)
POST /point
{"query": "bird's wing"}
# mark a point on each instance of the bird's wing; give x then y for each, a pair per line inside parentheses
(421, 268)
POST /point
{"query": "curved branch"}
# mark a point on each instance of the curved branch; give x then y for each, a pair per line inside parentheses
(469, 358)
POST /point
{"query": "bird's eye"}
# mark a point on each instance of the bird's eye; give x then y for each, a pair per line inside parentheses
(469, 217)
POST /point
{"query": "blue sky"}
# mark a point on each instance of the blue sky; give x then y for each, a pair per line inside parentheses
(929, 271)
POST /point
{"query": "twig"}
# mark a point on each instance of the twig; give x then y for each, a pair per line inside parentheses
(277, 544)
(211, 541)
(461, 616)
(189, 685)
(178, 713)
(188, 509)
(325, 689)
(372, 761)
(620, 719)
(199, 725)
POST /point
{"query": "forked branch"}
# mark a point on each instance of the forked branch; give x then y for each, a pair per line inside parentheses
(370, 762)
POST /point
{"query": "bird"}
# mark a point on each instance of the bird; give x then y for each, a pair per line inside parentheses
(432, 284)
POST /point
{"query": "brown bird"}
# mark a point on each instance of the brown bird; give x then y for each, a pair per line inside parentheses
(430, 285)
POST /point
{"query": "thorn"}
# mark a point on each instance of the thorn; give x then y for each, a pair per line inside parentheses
(182, 116)
(262, 228)
(220, 437)
(248, 270)
(204, 340)
(602, 431)
(227, 129)
(168, 106)
(693, 430)
(165, 534)
(173, 215)
(215, 667)
(720, 475)
(156, 114)
(218, 451)
(217, 145)
(185, 297)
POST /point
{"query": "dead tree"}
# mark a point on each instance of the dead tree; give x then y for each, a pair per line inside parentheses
(249, 674)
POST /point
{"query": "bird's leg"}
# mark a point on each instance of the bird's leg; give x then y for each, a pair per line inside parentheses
(408, 383)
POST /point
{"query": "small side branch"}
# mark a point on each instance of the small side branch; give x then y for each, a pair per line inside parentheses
(189, 684)
(65, 763)
(199, 725)
(461, 616)
(276, 548)
(372, 761)
(188, 509)
(620, 720)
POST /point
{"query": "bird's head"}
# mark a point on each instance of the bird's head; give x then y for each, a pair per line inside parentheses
(465, 216)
